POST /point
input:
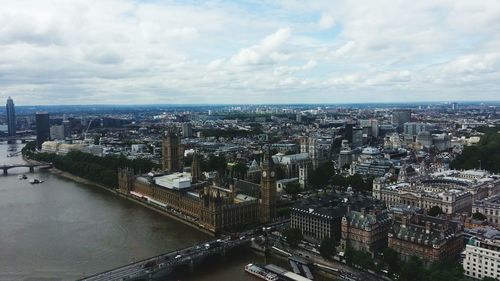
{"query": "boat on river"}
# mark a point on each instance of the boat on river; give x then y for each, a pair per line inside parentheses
(35, 181)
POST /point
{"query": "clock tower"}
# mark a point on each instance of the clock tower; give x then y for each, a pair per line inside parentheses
(267, 189)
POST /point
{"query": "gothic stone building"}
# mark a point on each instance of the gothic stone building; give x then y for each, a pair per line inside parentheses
(211, 207)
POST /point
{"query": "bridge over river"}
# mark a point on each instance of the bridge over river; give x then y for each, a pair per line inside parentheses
(156, 268)
(31, 166)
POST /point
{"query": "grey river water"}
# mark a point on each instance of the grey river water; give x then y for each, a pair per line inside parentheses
(63, 230)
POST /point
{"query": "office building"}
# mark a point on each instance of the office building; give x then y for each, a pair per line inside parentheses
(412, 129)
(42, 128)
(57, 132)
(11, 117)
(187, 130)
(428, 238)
(365, 230)
(399, 117)
(490, 207)
(322, 218)
(452, 191)
(357, 137)
(482, 256)
(370, 127)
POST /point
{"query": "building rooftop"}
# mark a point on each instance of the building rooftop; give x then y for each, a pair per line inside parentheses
(174, 181)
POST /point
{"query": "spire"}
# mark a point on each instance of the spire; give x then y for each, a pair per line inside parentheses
(267, 159)
(195, 168)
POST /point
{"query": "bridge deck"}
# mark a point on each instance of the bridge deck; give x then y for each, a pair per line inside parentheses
(167, 260)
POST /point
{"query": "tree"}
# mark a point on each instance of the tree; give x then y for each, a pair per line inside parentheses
(321, 176)
(327, 248)
(240, 170)
(293, 237)
(478, 216)
(359, 258)
(413, 270)
(445, 271)
(214, 163)
(391, 258)
(486, 154)
(434, 211)
(293, 189)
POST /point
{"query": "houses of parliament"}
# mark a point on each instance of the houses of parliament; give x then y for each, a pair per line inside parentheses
(202, 202)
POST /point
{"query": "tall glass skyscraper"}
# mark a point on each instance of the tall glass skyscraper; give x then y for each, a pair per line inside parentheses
(11, 117)
(42, 128)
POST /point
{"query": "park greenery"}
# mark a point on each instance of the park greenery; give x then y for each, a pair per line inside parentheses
(327, 248)
(485, 154)
(412, 269)
(293, 189)
(231, 133)
(293, 236)
(102, 170)
(325, 175)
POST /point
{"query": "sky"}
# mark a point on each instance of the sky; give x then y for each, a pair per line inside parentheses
(58, 52)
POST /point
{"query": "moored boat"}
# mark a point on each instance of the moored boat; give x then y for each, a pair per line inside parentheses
(260, 272)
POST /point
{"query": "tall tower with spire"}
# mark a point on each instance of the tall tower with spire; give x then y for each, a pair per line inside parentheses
(172, 152)
(195, 168)
(268, 189)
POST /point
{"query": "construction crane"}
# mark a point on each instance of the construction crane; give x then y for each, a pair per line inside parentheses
(87, 130)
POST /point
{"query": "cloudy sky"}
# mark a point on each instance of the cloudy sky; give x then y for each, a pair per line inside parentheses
(148, 52)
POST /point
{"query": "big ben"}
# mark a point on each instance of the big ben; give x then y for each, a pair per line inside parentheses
(268, 190)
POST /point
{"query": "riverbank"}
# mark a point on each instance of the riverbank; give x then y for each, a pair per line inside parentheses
(157, 209)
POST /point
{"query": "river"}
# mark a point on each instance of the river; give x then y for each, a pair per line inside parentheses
(63, 230)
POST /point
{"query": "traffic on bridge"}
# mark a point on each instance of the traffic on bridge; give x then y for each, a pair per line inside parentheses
(159, 266)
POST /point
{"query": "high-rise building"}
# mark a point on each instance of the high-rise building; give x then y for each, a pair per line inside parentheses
(357, 137)
(187, 130)
(67, 127)
(399, 117)
(42, 128)
(57, 132)
(298, 117)
(268, 189)
(370, 126)
(172, 152)
(11, 117)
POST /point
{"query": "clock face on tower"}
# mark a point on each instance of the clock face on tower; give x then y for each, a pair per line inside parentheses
(264, 173)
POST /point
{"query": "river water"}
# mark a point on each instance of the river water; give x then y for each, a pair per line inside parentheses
(63, 230)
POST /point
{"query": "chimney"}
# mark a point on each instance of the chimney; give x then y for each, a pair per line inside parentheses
(348, 208)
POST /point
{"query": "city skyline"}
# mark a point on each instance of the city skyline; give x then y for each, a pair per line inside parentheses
(149, 52)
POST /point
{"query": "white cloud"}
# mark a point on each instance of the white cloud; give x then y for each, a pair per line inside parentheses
(326, 21)
(157, 51)
(266, 49)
